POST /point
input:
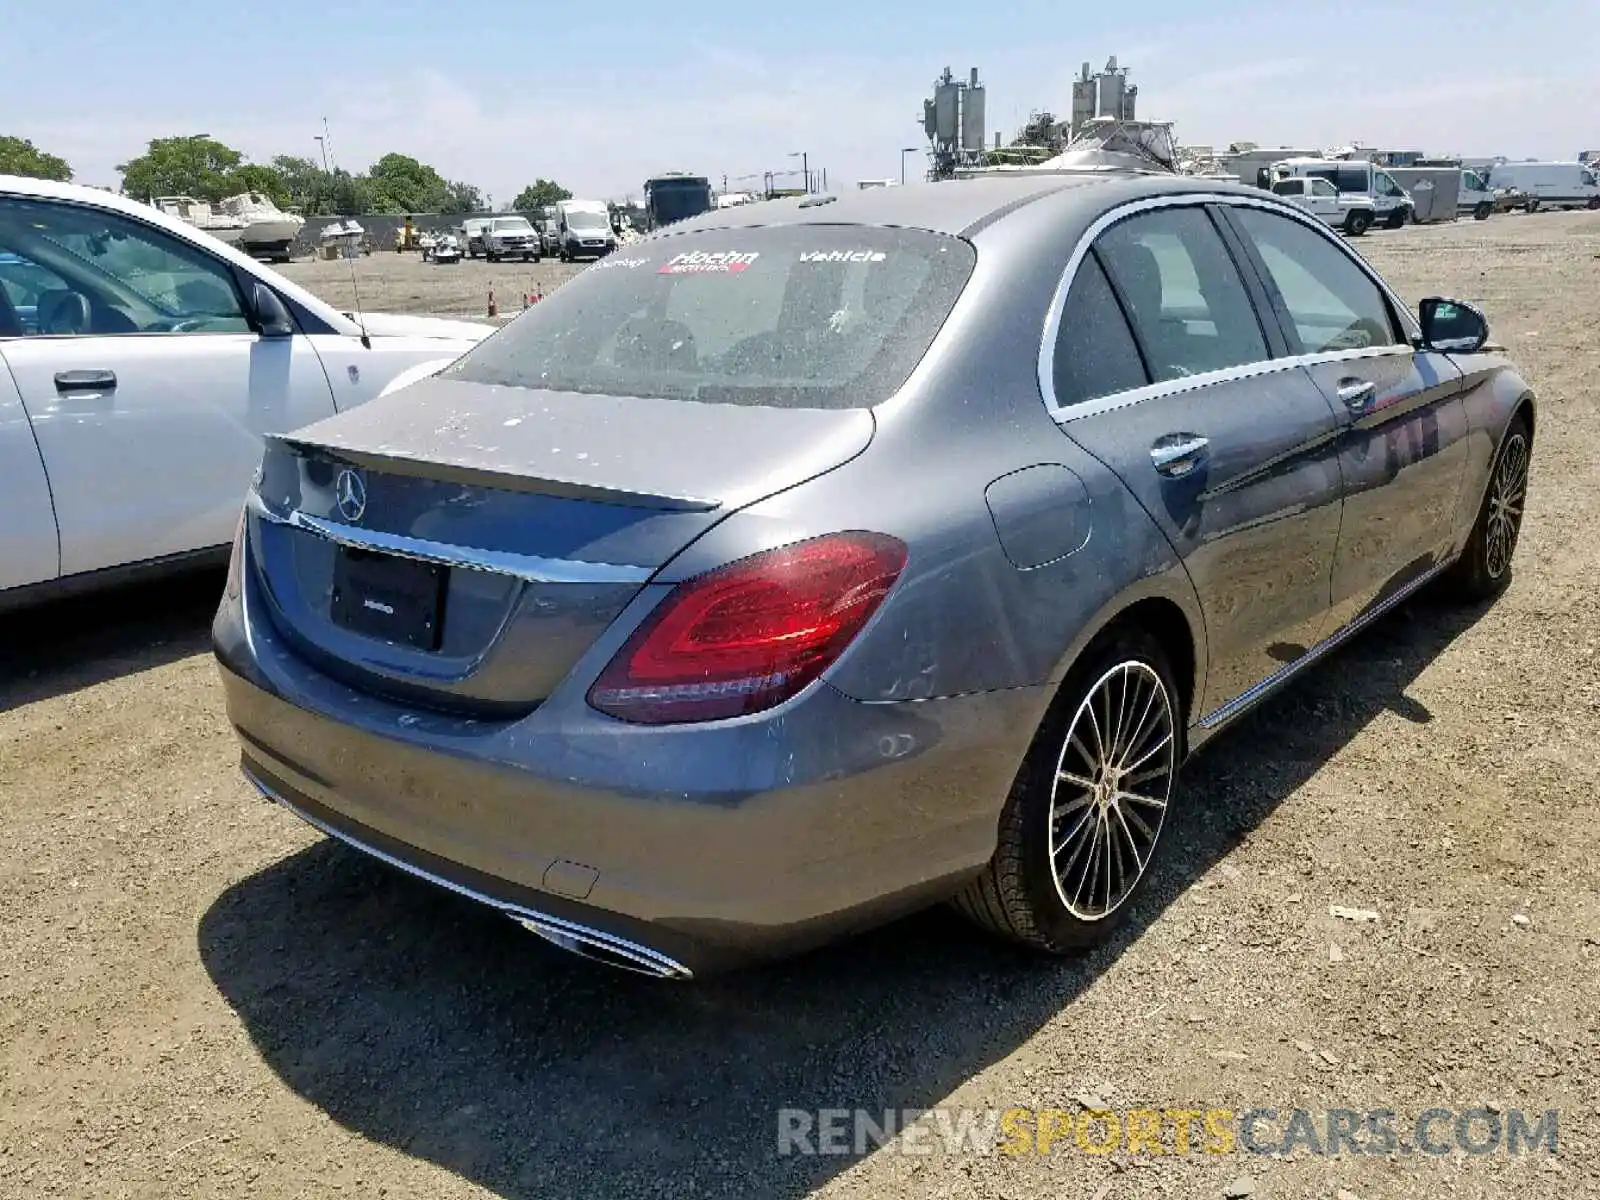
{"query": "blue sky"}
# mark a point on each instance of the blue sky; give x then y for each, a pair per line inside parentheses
(599, 96)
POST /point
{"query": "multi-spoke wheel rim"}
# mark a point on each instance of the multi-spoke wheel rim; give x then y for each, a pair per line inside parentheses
(1113, 778)
(1506, 492)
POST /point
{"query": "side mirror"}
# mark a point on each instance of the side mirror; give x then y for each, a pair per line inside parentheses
(1452, 326)
(272, 317)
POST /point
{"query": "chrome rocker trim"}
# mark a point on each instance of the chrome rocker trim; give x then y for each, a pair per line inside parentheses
(1249, 699)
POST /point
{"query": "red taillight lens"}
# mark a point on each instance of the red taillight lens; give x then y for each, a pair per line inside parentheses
(749, 635)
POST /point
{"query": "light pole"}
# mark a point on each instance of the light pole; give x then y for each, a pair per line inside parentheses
(903, 152)
(805, 167)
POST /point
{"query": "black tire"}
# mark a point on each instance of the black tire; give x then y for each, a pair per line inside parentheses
(1398, 219)
(1484, 569)
(1483, 211)
(1358, 222)
(1593, 202)
(1018, 896)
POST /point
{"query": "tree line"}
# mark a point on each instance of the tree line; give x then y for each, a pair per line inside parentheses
(207, 169)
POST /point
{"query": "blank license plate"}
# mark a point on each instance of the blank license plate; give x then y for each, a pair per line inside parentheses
(398, 600)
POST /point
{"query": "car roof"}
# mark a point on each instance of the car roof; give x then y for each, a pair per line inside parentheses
(24, 187)
(958, 207)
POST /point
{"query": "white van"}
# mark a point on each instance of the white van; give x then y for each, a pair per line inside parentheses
(1354, 177)
(1476, 196)
(583, 230)
(1549, 184)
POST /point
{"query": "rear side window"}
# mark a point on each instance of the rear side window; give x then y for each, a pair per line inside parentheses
(798, 316)
(1289, 187)
(1352, 179)
(1095, 352)
(1182, 293)
(1331, 303)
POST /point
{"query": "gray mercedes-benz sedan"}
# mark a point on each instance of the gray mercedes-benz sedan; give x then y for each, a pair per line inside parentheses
(819, 560)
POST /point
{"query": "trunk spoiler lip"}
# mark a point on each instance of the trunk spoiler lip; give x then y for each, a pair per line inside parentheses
(497, 478)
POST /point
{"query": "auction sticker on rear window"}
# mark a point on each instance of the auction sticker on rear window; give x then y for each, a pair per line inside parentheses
(703, 262)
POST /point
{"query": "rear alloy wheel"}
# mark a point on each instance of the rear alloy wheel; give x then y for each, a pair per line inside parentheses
(1081, 826)
(1484, 568)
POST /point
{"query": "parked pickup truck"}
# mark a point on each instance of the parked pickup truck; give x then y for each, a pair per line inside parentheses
(1352, 213)
(511, 237)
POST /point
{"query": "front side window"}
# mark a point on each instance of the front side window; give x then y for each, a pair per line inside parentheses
(1588, 179)
(800, 316)
(1095, 353)
(1472, 182)
(1321, 187)
(1182, 293)
(98, 273)
(1332, 304)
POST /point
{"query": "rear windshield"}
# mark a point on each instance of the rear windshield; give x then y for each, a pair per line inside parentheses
(799, 316)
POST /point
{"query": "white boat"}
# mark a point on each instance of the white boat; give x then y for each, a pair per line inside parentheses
(342, 239)
(202, 215)
(1104, 144)
(268, 230)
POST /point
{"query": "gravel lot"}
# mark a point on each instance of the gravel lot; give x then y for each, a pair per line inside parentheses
(201, 997)
(387, 281)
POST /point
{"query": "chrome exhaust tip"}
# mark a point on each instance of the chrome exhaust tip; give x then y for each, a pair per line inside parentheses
(603, 948)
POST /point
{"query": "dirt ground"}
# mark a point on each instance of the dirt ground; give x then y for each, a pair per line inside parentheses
(388, 281)
(201, 997)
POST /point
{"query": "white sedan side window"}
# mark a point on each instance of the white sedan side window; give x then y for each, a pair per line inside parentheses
(70, 269)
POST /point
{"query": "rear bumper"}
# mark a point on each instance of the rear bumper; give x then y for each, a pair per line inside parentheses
(685, 849)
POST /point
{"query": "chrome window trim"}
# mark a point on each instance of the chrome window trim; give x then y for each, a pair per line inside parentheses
(1170, 387)
(527, 567)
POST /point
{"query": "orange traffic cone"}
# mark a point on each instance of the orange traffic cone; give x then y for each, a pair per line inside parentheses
(494, 309)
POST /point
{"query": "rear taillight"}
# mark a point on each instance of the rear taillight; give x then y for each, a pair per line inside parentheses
(751, 634)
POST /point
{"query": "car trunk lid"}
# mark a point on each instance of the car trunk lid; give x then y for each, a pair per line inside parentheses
(461, 545)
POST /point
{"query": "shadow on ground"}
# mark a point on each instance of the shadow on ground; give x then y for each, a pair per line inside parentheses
(424, 1023)
(66, 645)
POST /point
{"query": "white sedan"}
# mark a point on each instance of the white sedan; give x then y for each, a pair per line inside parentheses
(141, 361)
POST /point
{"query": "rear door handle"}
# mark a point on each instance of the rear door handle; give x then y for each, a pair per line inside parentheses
(1178, 453)
(1357, 394)
(86, 381)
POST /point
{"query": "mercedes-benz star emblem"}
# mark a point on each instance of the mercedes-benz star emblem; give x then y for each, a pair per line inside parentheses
(350, 494)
